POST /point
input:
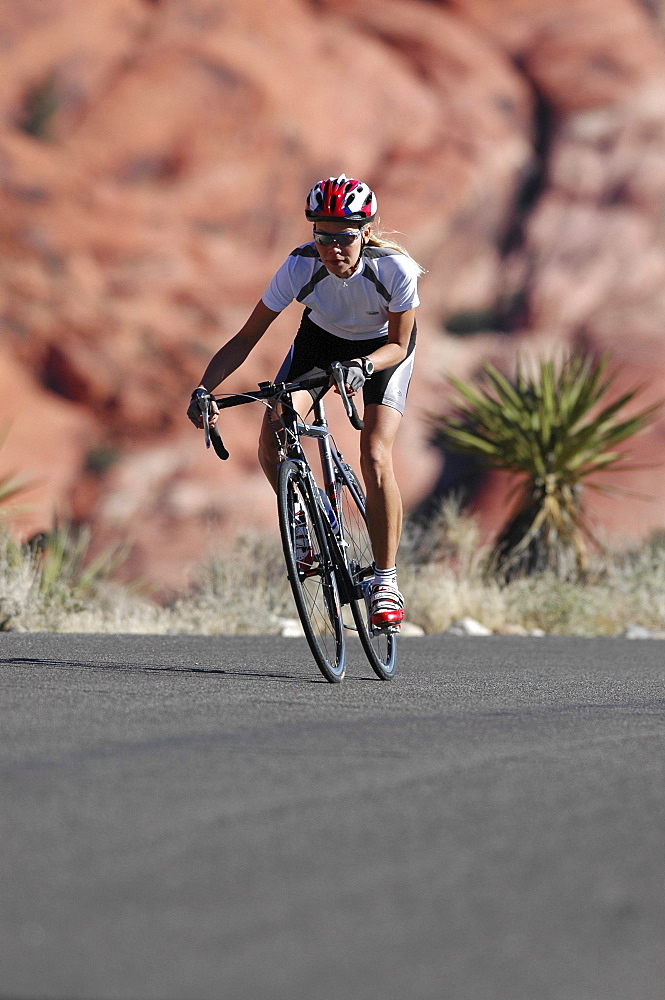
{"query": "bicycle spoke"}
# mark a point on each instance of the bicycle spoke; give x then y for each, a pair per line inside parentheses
(311, 576)
(380, 648)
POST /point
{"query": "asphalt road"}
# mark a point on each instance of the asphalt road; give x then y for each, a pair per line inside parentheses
(201, 818)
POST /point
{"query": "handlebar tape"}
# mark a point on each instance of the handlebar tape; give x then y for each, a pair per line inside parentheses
(218, 444)
(356, 420)
(242, 397)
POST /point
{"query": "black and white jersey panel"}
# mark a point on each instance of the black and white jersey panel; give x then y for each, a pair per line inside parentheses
(354, 308)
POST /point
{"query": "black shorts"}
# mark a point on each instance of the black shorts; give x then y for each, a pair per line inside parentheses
(316, 348)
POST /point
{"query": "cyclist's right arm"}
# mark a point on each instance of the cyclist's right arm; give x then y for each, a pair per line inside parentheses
(229, 357)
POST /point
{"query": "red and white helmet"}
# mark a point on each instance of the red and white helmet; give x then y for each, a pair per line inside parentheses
(341, 199)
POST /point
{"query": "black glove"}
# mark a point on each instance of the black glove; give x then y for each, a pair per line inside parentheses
(354, 378)
(194, 410)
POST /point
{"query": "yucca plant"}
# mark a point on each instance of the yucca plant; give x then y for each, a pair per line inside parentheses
(551, 428)
(65, 563)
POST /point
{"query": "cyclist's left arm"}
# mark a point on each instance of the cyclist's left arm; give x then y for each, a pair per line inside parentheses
(400, 325)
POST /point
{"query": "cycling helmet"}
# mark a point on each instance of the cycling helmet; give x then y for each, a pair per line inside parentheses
(341, 199)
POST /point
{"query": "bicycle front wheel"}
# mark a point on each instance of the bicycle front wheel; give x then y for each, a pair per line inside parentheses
(311, 571)
(380, 647)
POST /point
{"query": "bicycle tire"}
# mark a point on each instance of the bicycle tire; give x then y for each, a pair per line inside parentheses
(380, 648)
(315, 589)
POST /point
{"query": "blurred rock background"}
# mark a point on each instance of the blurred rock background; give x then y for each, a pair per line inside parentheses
(154, 159)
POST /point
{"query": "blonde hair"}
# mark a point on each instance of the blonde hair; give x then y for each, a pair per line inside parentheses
(381, 238)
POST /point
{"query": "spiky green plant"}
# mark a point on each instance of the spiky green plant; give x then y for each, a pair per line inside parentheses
(65, 562)
(551, 427)
(9, 487)
(10, 484)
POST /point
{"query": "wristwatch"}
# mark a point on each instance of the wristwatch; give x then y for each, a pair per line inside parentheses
(367, 367)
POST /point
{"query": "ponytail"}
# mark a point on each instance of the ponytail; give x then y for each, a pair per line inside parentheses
(380, 238)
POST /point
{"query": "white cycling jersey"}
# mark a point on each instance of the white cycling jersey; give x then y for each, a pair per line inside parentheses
(354, 308)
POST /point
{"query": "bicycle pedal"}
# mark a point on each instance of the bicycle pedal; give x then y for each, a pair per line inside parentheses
(385, 629)
(306, 573)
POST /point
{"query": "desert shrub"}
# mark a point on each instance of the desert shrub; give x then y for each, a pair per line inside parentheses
(555, 430)
(243, 589)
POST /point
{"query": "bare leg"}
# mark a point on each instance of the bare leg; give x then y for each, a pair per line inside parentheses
(270, 431)
(384, 503)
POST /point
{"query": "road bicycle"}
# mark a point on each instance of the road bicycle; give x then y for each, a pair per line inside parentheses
(323, 525)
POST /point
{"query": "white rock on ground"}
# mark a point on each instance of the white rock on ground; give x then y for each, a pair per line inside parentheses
(410, 629)
(637, 632)
(290, 628)
(467, 626)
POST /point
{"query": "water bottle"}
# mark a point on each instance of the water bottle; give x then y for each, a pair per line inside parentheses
(328, 509)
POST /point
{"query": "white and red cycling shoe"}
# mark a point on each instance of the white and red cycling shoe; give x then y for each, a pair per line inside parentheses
(386, 608)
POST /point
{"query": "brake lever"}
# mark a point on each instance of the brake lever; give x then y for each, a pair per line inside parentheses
(212, 435)
(203, 400)
(337, 373)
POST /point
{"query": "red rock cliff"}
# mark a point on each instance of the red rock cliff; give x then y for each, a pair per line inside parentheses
(154, 158)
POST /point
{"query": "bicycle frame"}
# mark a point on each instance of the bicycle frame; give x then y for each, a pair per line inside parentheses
(332, 467)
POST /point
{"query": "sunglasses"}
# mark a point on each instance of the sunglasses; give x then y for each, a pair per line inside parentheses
(339, 239)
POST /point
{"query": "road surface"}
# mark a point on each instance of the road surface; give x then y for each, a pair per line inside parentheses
(206, 819)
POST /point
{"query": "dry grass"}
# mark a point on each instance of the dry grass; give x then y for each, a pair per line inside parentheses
(244, 590)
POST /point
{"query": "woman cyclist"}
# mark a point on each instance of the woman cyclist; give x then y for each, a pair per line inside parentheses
(360, 294)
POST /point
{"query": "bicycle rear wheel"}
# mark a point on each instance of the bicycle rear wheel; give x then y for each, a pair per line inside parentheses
(312, 578)
(381, 647)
